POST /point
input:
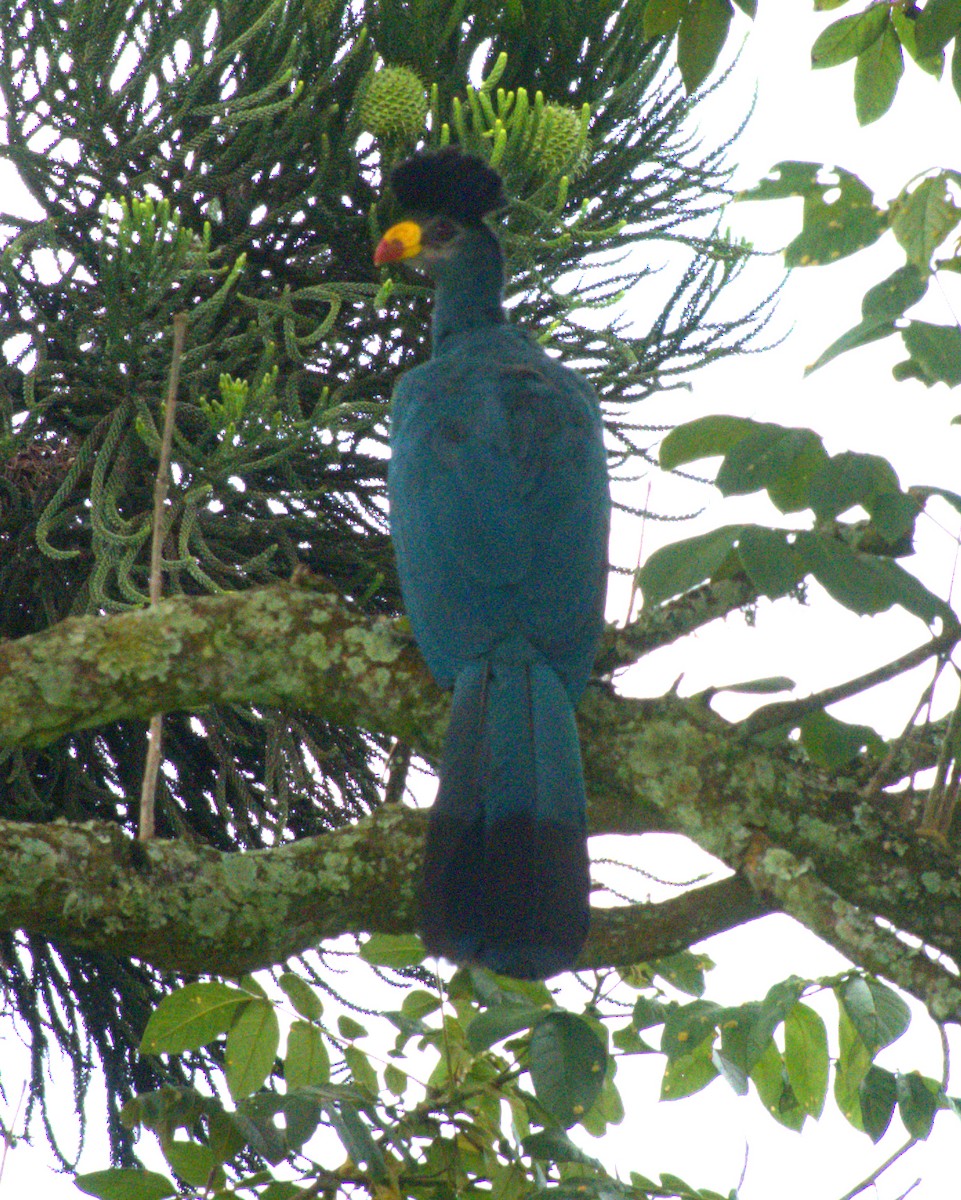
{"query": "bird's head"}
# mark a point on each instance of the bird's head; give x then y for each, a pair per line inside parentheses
(451, 192)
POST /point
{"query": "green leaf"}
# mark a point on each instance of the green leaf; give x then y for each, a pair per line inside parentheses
(937, 25)
(832, 743)
(849, 479)
(761, 687)
(956, 69)
(895, 295)
(350, 1029)
(648, 1013)
(840, 216)
(872, 329)
(707, 437)
(700, 39)
(551, 1145)
(876, 76)
(923, 219)
(566, 1061)
(806, 1057)
(500, 1021)
(770, 561)
(419, 1004)
(935, 352)
(663, 16)
(396, 1080)
(306, 1063)
(125, 1184)
(302, 996)
(865, 583)
(393, 950)
(849, 37)
(357, 1140)
(877, 1014)
(251, 1048)
(749, 7)
(878, 1095)
(361, 1071)
(853, 1063)
(677, 568)
(688, 1025)
(688, 1073)
(192, 1162)
(906, 29)
(781, 460)
(770, 1077)
(918, 1101)
(684, 970)
(192, 1017)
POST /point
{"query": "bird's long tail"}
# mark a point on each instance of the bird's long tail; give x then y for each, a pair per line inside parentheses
(506, 877)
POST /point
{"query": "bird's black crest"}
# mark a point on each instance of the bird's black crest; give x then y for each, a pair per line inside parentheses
(448, 182)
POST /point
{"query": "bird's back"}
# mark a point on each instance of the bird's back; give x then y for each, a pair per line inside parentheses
(499, 504)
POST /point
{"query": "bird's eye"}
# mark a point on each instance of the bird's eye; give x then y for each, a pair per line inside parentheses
(441, 231)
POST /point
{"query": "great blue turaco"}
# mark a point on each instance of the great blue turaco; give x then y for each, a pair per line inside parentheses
(499, 513)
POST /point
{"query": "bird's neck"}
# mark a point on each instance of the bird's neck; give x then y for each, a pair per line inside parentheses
(469, 287)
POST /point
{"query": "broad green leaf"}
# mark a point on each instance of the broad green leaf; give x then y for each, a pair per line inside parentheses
(935, 351)
(551, 1145)
(648, 1013)
(393, 950)
(192, 1162)
(688, 1025)
(731, 1072)
(781, 460)
(629, 1041)
(192, 1017)
(361, 1071)
(302, 996)
(877, 1013)
(923, 219)
(840, 216)
(707, 437)
(397, 1081)
(350, 1029)
(251, 1048)
(302, 1114)
(663, 16)
(700, 39)
(876, 76)
(681, 566)
(419, 1004)
(357, 1140)
(937, 25)
(769, 560)
(500, 1021)
(567, 1061)
(684, 970)
(307, 1062)
(923, 494)
(688, 1073)
(125, 1184)
(852, 1066)
(895, 295)
(747, 6)
(879, 1097)
(893, 515)
(607, 1109)
(918, 1101)
(848, 479)
(806, 1057)
(871, 329)
(906, 29)
(832, 743)
(848, 37)
(956, 69)
(865, 583)
(770, 1078)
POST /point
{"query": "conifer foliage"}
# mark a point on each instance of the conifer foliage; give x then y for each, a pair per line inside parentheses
(225, 158)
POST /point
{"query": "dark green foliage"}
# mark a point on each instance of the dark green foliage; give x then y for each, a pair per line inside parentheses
(190, 155)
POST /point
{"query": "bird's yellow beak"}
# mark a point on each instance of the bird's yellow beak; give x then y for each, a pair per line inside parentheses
(400, 241)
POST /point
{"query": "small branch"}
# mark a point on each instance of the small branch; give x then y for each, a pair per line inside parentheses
(791, 711)
(876, 1175)
(151, 771)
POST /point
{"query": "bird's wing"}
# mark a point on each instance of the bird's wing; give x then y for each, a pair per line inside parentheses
(499, 508)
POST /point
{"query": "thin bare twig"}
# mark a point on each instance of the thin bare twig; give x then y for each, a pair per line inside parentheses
(876, 1175)
(148, 792)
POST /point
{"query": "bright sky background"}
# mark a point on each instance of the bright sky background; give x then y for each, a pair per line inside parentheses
(854, 404)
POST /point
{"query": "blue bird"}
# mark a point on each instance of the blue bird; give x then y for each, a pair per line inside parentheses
(499, 511)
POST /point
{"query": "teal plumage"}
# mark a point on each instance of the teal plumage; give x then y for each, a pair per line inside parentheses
(499, 516)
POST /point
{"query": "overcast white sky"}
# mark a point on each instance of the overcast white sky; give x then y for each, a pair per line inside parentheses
(854, 404)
